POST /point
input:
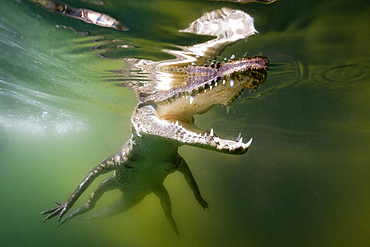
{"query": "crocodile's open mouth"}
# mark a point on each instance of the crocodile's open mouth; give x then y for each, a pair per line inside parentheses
(199, 95)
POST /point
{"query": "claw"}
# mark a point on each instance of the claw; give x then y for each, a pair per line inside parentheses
(68, 217)
(204, 204)
(51, 215)
(60, 209)
(63, 221)
(49, 211)
(48, 217)
(59, 203)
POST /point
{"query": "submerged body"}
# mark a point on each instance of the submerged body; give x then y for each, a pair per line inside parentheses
(163, 119)
(159, 125)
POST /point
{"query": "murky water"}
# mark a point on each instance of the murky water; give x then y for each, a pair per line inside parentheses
(304, 182)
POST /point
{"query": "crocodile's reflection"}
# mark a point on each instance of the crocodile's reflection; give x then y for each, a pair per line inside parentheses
(163, 119)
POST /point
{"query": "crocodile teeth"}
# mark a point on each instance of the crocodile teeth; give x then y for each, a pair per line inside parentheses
(249, 143)
(238, 138)
(211, 134)
(205, 134)
(231, 82)
(191, 99)
(177, 123)
(223, 82)
(227, 109)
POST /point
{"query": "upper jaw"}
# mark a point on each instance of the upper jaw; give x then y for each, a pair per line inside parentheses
(207, 86)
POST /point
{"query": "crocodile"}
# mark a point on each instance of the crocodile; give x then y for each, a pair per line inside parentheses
(160, 123)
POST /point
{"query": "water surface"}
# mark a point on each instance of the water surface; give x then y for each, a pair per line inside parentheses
(304, 181)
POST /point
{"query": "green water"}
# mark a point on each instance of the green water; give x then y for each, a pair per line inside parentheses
(304, 182)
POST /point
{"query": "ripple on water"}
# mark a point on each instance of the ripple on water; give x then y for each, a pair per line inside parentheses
(341, 75)
(283, 71)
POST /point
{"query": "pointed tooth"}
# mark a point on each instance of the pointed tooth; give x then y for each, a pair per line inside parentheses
(211, 134)
(249, 143)
(216, 84)
(191, 99)
(238, 138)
(231, 82)
(205, 134)
(210, 87)
(223, 82)
(227, 109)
(177, 123)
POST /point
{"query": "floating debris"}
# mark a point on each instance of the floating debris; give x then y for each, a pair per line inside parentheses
(85, 15)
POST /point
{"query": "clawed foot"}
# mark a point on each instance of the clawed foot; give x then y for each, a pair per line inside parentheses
(67, 218)
(60, 210)
(203, 203)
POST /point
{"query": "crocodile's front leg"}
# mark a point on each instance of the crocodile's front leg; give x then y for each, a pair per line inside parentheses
(62, 208)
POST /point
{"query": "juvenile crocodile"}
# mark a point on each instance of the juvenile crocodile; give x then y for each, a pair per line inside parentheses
(161, 123)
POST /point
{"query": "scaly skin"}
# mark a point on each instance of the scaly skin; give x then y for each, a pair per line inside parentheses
(159, 126)
(163, 119)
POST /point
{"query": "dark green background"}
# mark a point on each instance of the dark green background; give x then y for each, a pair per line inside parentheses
(304, 182)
